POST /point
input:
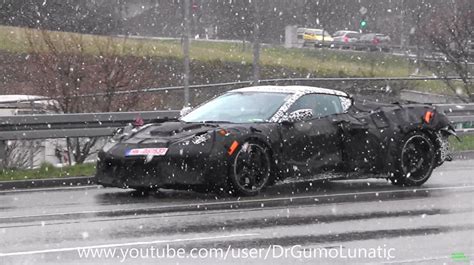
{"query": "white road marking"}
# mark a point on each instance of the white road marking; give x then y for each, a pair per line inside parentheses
(203, 205)
(54, 250)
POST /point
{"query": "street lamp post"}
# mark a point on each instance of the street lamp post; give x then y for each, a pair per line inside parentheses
(256, 45)
(186, 52)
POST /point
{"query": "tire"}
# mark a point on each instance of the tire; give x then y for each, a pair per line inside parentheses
(250, 170)
(416, 161)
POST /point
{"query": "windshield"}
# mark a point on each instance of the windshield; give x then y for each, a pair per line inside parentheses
(238, 107)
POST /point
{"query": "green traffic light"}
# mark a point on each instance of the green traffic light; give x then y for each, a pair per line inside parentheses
(363, 23)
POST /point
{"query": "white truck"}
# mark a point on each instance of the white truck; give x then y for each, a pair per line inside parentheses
(30, 153)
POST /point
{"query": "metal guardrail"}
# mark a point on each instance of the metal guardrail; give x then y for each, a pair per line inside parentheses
(46, 126)
(465, 108)
(457, 112)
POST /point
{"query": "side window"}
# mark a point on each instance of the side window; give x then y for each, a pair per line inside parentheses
(352, 35)
(322, 105)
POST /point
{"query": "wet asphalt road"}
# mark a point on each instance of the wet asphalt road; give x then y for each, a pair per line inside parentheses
(425, 225)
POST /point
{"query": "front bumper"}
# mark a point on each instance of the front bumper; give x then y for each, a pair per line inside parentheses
(169, 171)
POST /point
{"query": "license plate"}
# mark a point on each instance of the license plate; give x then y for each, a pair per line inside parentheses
(146, 152)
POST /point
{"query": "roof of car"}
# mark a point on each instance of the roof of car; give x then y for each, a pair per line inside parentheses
(291, 89)
(375, 34)
(9, 98)
(313, 30)
(347, 31)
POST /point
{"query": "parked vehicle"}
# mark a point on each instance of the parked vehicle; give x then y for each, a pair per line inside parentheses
(26, 104)
(29, 153)
(373, 42)
(314, 37)
(345, 38)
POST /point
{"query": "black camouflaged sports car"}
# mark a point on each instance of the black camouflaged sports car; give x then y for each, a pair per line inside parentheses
(248, 138)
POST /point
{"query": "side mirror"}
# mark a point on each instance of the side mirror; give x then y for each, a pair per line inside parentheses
(184, 111)
(297, 115)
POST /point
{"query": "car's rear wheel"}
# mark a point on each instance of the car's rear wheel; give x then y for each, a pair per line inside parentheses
(251, 169)
(416, 160)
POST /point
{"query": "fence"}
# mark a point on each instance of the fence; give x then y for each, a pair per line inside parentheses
(238, 84)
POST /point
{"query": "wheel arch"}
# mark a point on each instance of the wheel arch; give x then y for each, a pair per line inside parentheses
(434, 136)
(396, 171)
(395, 146)
(273, 156)
(231, 187)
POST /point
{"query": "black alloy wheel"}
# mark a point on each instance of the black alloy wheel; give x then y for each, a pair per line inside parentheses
(251, 169)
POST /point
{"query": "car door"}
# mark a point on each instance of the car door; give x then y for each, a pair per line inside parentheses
(314, 145)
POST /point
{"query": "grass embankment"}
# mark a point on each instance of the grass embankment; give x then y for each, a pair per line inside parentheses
(47, 171)
(467, 143)
(311, 62)
(323, 62)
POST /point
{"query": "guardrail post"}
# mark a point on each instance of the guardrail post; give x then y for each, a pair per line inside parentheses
(3, 152)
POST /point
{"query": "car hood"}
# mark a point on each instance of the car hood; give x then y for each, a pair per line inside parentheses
(167, 132)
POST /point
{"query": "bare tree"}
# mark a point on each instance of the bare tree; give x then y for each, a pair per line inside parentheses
(21, 154)
(450, 31)
(76, 65)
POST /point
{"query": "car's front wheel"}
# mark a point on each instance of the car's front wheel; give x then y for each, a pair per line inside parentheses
(416, 160)
(251, 169)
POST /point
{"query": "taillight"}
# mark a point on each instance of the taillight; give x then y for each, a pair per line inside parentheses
(428, 116)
